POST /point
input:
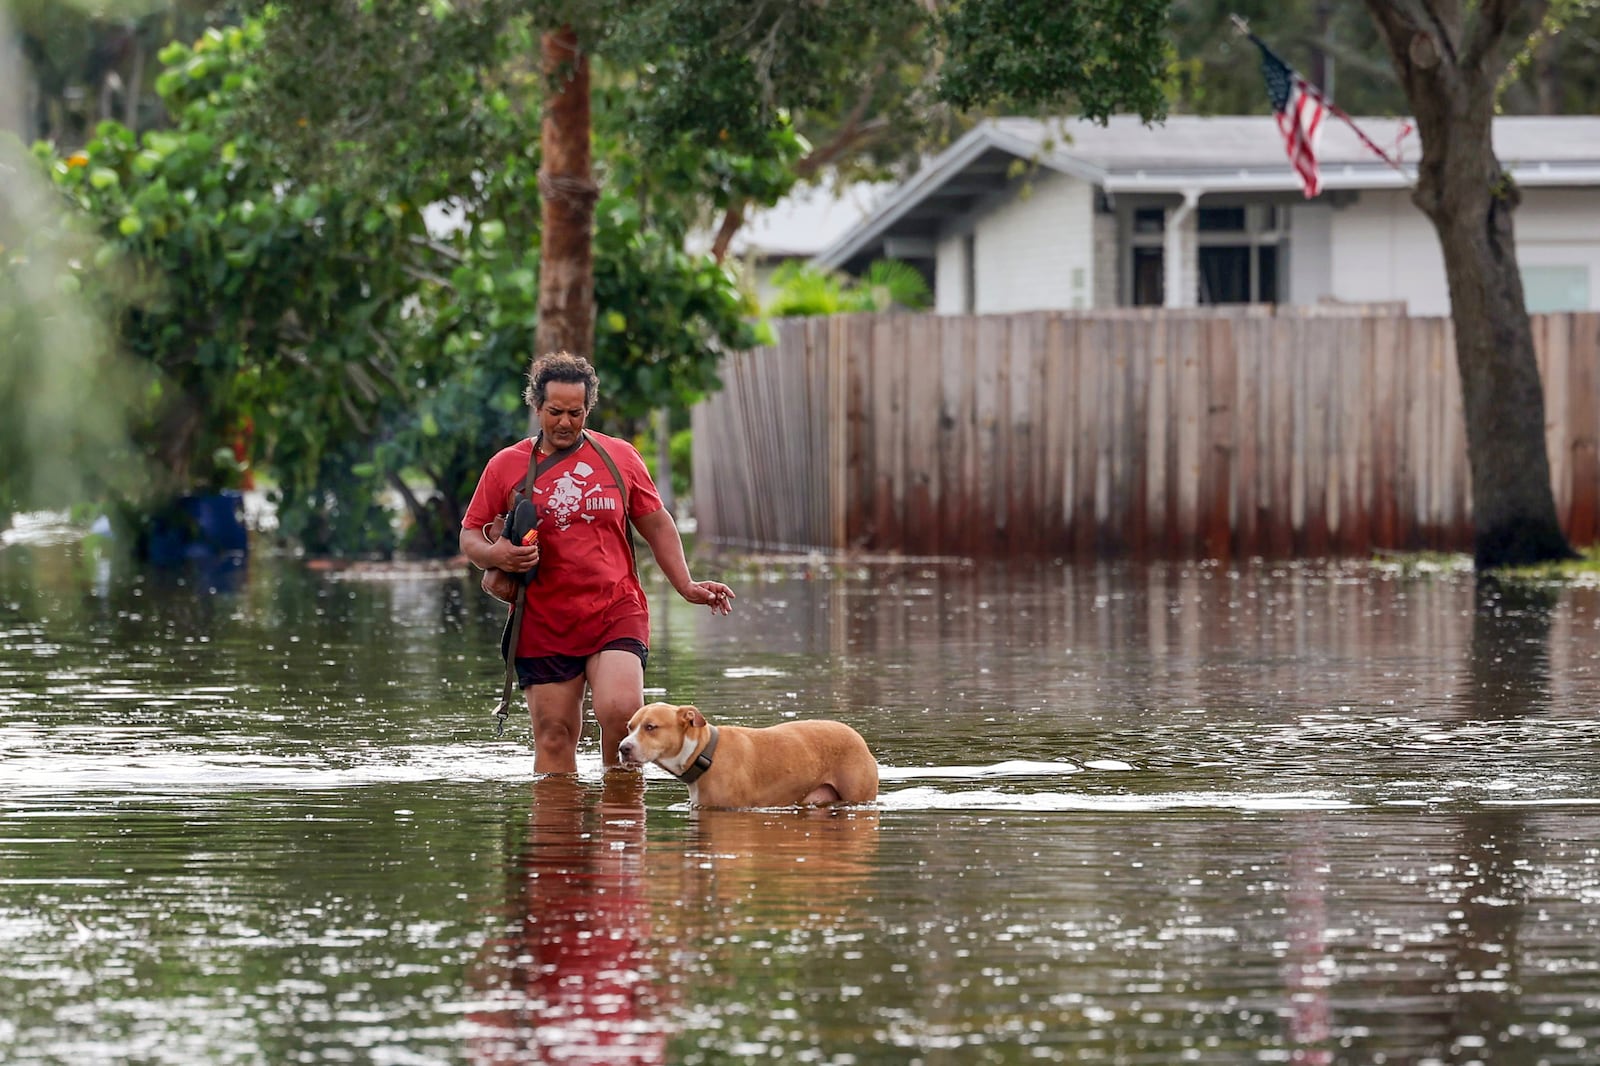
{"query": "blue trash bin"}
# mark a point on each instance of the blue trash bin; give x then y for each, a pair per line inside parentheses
(219, 520)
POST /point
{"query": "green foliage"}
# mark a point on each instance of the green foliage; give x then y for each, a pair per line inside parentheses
(1096, 57)
(1584, 569)
(1218, 71)
(253, 299)
(470, 327)
(1561, 16)
(663, 315)
(313, 315)
(889, 283)
(681, 177)
(718, 74)
(380, 95)
(680, 450)
(801, 289)
(661, 311)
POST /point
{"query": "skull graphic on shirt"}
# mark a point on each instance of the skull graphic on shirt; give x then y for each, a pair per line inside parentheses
(565, 498)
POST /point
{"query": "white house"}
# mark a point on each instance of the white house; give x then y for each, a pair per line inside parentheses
(1023, 214)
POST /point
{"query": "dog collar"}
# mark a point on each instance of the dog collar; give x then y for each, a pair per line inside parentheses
(702, 762)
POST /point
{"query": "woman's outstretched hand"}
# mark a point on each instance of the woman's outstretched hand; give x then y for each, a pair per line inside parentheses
(712, 594)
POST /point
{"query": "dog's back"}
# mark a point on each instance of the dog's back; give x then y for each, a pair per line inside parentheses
(790, 763)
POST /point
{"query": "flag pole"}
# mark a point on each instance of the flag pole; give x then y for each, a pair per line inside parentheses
(1334, 109)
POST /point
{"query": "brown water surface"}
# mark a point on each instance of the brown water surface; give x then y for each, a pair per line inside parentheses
(1321, 813)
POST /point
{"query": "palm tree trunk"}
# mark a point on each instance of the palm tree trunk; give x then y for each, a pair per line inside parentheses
(568, 193)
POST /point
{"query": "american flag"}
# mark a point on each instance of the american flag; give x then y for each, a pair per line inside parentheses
(1300, 110)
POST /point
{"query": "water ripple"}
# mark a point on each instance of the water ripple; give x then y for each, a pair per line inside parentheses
(922, 799)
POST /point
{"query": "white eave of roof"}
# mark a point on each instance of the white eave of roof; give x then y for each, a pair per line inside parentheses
(1338, 176)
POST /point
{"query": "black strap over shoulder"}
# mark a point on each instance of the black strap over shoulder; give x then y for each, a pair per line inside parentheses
(622, 487)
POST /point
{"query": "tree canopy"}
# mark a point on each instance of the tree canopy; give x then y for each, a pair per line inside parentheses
(323, 325)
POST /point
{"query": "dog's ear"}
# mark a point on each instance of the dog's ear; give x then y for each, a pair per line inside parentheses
(691, 717)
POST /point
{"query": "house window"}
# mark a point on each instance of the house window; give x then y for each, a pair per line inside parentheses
(1238, 274)
(1238, 250)
(1225, 274)
(1556, 288)
(1238, 253)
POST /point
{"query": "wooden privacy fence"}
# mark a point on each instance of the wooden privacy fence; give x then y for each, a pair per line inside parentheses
(1208, 433)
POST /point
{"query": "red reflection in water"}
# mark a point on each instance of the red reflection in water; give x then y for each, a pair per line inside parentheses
(1307, 973)
(574, 982)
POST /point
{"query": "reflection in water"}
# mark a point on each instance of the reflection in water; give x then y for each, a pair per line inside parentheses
(794, 867)
(605, 935)
(1325, 813)
(573, 981)
(1309, 969)
(779, 926)
(1509, 660)
(1462, 1001)
(1508, 679)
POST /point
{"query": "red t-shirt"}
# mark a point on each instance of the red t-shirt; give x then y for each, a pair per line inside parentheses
(585, 593)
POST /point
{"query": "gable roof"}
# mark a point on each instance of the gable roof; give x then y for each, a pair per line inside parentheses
(1204, 154)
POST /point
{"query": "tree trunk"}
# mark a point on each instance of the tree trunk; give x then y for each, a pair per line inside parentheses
(568, 195)
(1449, 73)
(1513, 510)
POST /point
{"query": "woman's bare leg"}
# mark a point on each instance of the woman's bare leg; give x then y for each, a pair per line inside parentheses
(557, 714)
(617, 680)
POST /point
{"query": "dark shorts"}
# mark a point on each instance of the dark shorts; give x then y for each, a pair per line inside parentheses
(553, 669)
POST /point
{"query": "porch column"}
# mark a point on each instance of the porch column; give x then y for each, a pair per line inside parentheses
(1179, 254)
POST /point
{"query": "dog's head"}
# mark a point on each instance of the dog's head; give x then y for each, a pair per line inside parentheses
(659, 730)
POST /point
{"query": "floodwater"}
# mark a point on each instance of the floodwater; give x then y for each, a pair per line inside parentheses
(1314, 813)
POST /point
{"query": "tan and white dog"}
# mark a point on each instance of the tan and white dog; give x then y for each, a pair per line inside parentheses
(803, 763)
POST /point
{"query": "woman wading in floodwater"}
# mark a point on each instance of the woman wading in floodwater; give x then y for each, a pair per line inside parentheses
(586, 622)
